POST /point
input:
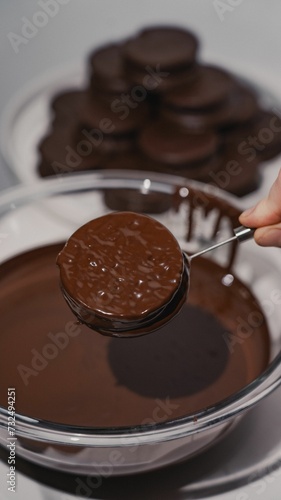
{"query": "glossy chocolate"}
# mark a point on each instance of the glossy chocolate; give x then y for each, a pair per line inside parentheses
(123, 274)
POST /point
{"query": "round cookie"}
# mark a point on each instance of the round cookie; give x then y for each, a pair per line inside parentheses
(240, 107)
(197, 171)
(170, 48)
(261, 136)
(165, 143)
(237, 174)
(141, 201)
(106, 144)
(211, 86)
(66, 106)
(60, 154)
(157, 81)
(116, 116)
(129, 160)
(107, 72)
(123, 274)
(133, 200)
(161, 58)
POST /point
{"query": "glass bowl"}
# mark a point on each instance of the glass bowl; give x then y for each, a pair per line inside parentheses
(47, 213)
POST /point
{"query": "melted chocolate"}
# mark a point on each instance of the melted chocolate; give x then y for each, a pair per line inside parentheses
(206, 203)
(123, 274)
(65, 373)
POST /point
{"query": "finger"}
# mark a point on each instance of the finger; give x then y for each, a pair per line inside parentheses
(267, 211)
(269, 236)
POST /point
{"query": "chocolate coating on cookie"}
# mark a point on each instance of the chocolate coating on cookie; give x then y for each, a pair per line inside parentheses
(107, 69)
(147, 48)
(211, 86)
(163, 142)
(240, 106)
(62, 153)
(123, 274)
(68, 148)
(260, 137)
(88, 111)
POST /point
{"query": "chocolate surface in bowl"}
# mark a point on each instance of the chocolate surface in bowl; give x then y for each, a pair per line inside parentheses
(66, 373)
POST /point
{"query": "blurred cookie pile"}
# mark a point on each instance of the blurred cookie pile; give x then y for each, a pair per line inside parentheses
(150, 104)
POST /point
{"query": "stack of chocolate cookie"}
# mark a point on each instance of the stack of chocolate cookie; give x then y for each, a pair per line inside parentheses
(151, 105)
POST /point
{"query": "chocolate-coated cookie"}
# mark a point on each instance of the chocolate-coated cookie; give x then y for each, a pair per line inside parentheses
(197, 171)
(161, 58)
(157, 81)
(66, 106)
(260, 137)
(240, 107)
(162, 142)
(117, 116)
(238, 174)
(211, 86)
(169, 47)
(107, 72)
(60, 154)
(123, 274)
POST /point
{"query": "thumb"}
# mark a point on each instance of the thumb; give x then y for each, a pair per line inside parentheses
(268, 211)
(269, 236)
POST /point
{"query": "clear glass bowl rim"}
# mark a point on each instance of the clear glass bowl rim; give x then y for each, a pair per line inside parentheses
(226, 410)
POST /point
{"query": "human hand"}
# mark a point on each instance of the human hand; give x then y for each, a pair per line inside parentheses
(266, 217)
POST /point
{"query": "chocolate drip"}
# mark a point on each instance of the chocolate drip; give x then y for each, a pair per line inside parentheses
(206, 202)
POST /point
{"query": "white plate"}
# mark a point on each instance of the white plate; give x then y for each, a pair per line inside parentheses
(26, 119)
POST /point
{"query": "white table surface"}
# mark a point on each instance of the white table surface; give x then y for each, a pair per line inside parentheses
(250, 33)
